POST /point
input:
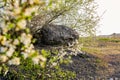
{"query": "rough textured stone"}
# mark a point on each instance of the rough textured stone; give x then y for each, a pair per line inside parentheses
(57, 35)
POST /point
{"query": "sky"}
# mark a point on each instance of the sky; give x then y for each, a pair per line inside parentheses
(110, 21)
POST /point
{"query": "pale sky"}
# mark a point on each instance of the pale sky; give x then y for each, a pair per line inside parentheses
(110, 22)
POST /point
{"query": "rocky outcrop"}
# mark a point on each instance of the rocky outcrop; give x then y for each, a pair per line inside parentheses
(57, 35)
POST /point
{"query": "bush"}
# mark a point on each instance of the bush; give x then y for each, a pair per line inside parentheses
(19, 60)
(29, 71)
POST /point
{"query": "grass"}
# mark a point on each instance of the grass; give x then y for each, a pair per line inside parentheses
(109, 39)
(102, 48)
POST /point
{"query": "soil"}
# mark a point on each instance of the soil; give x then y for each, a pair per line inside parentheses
(89, 67)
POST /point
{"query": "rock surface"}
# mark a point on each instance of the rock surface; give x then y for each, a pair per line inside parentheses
(57, 35)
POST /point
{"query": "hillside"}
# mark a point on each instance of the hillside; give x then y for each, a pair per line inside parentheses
(100, 61)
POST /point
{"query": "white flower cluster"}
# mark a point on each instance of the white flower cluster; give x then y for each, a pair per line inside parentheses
(21, 44)
(3, 58)
(26, 39)
(14, 61)
(55, 4)
(37, 59)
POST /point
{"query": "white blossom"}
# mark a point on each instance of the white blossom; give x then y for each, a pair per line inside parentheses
(17, 11)
(14, 61)
(3, 58)
(31, 1)
(35, 60)
(10, 52)
(26, 39)
(2, 25)
(16, 3)
(30, 49)
(42, 64)
(3, 49)
(25, 55)
(42, 58)
(6, 71)
(54, 64)
(16, 42)
(7, 43)
(21, 24)
(38, 58)
(30, 10)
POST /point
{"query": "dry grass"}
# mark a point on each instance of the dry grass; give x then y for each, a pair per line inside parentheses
(102, 48)
(104, 54)
(101, 61)
(107, 51)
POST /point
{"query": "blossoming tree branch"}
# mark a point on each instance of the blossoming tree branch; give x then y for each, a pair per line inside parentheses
(16, 42)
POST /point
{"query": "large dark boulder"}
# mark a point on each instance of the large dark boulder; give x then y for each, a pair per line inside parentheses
(57, 35)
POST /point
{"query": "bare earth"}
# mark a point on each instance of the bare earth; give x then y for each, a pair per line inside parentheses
(99, 63)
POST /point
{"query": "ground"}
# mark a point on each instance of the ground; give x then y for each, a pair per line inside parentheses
(101, 61)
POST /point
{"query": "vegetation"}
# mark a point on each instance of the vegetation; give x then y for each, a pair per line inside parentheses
(99, 60)
(109, 39)
(78, 14)
(28, 70)
(19, 60)
(101, 45)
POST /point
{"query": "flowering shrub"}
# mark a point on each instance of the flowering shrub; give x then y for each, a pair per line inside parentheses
(18, 57)
(28, 70)
(15, 39)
